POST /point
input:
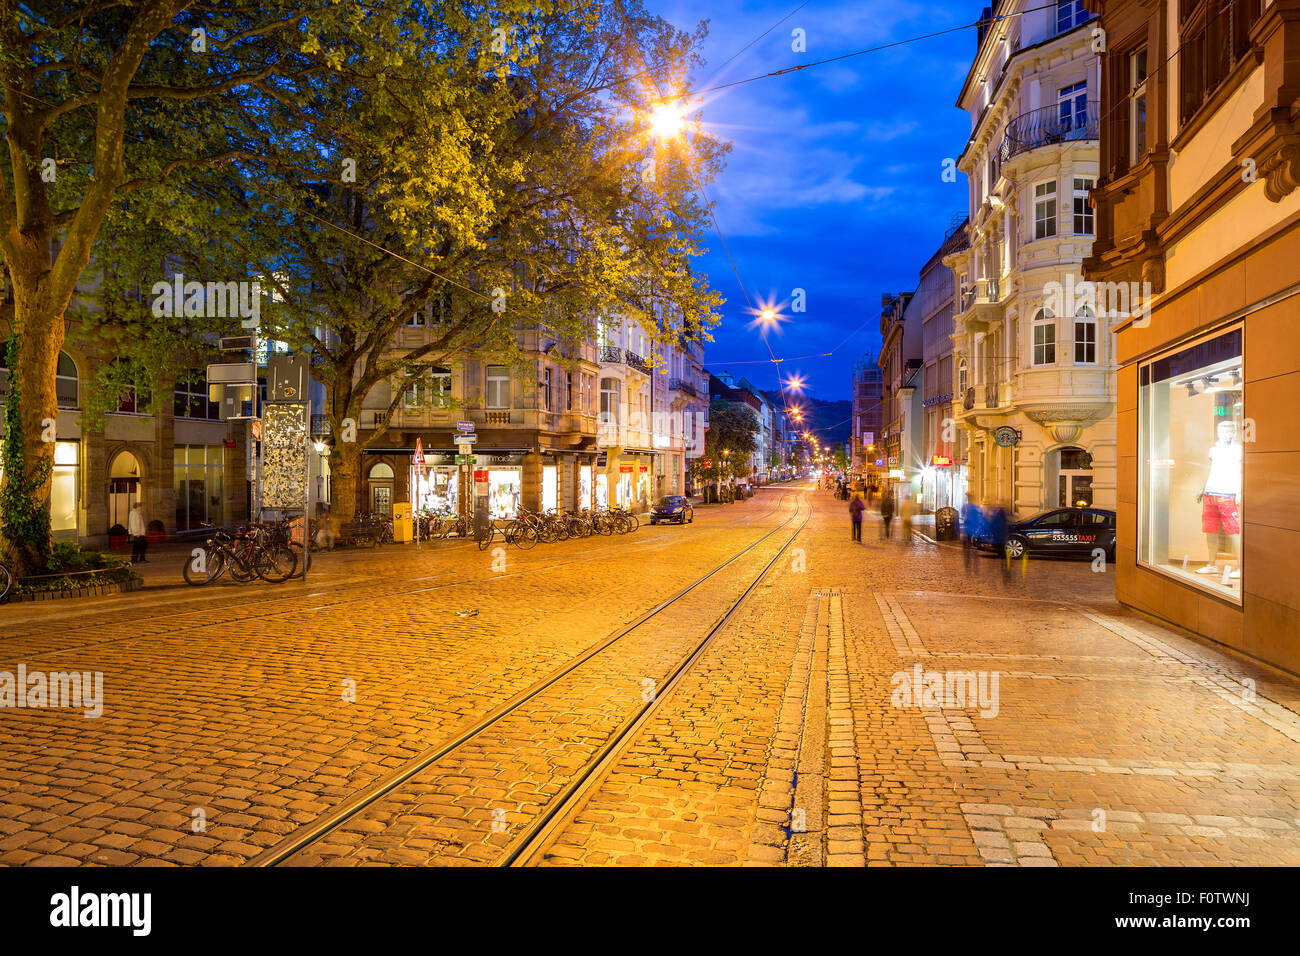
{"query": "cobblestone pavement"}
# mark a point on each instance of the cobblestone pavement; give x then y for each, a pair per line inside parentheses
(1071, 731)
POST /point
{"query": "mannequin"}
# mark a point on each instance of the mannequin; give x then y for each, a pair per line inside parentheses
(1221, 497)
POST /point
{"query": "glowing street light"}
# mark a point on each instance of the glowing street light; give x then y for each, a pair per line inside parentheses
(666, 121)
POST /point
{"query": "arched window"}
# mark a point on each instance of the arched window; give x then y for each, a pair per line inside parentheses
(1085, 337)
(381, 472)
(1044, 330)
(65, 381)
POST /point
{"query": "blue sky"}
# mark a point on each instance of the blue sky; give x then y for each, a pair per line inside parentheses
(833, 183)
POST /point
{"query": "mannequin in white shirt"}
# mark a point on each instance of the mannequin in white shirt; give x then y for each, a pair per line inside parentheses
(1220, 499)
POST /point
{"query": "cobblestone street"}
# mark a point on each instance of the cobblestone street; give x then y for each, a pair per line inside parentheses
(864, 704)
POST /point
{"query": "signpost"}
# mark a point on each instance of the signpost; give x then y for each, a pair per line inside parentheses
(417, 460)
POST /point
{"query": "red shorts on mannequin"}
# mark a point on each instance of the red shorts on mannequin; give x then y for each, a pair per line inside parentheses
(1219, 513)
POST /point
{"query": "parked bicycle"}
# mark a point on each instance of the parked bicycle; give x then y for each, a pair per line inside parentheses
(247, 553)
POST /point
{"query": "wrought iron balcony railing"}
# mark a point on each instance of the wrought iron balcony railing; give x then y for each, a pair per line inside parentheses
(1050, 125)
(611, 353)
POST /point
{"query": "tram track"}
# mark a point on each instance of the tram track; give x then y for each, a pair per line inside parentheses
(281, 604)
(525, 845)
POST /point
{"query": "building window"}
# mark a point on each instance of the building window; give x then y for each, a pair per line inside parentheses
(65, 381)
(1044, 338)
(1137, 105)
(1213, 37)
(1085, 338)
(1073, 107)
(1044, 210)
(609, 400)
(1083, 212)
(1069, 14)
(546, 385)
(1190, 433)
(197, 474)
(498, 386)
(191, 397)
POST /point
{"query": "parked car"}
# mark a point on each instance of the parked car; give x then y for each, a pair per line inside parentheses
(672, 508)
(1067, 531)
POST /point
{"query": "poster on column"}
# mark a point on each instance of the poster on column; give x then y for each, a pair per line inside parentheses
(284, 455)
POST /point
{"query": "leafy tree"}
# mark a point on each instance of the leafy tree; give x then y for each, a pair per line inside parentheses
(112, 101)
(733, 429)
(496, 192)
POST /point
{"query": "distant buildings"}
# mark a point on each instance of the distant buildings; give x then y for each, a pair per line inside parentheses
(866, 434)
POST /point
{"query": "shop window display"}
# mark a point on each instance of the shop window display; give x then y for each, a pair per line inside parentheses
(505, 489)
(1190, 438)
(584, 488)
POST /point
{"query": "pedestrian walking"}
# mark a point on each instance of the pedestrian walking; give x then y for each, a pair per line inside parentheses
(136, 531)
(998, 527)
(856, 507)
(971, 527)
(887, 512)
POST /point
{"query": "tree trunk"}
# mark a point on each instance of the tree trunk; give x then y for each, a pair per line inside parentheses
(40, 337)
(345, 472)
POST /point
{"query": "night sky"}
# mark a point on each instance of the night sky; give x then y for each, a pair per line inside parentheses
(833, 183)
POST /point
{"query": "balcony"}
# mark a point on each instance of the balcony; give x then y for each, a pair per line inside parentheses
(320, 426)
(611, 354)
(991, 395)
(982, 304)
(1049, 126)
(684, 386)
(635, 361)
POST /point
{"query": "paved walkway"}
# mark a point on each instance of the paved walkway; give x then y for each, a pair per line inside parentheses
(871, 703)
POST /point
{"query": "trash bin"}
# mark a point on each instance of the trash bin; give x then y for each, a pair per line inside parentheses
(402, 522)
(945, 524)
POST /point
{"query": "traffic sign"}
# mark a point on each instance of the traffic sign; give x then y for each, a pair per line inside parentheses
(465, 426)
(466, 439)
(467, 459)
(418, 457)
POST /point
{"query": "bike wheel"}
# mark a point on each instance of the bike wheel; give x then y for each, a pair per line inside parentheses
(204, 567)
(304, 560)
(6, 582)
(526, 537)
(485, 539)
(240, 570)
(276, 564)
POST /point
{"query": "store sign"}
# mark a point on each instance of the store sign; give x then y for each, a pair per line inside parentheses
(480, 474)
(625, 469)
(466, 439)
(645, 468)
(893, 462)
(880, 463)
(1006, 436)
(897, 473)
(941, 461)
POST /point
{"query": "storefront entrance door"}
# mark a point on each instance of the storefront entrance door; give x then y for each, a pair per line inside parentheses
(1075, 489)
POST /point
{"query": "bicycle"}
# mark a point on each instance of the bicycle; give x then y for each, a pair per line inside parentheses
(246, 554)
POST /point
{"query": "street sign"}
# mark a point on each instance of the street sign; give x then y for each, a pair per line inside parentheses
(467, 459)
(465, 426)
(241, 373)
(236, 343)
(418, 457)
(466, 439)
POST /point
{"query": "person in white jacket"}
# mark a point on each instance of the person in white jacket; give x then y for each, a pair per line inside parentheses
(136, 530)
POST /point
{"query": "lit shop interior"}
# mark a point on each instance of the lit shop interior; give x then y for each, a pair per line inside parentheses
(1190, 436)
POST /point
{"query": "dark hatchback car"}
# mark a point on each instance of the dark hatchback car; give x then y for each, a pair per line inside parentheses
(672, 508)
(1065, 531)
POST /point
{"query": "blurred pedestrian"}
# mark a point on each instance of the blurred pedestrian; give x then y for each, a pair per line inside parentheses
(135, 529)
(856, 507)
(906, 511)
(998, 523)
(887, 511)
(972, 526)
